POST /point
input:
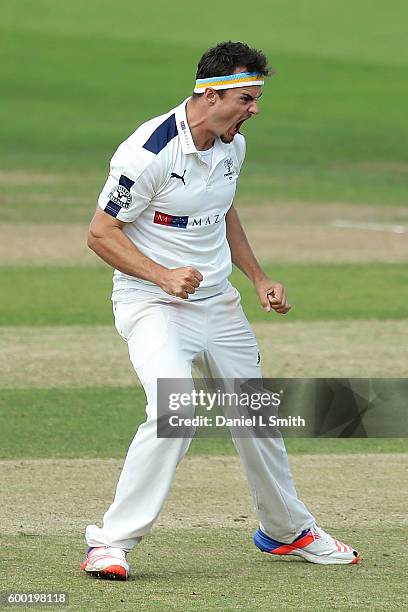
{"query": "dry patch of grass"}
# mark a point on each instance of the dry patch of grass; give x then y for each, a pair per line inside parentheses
(80, 356)
(326, 244)
(71, 356)
(349, 349)
(307, 233)
(62, 496)
(20, 178)
(298, 213)
(293, 233)
(55, 244)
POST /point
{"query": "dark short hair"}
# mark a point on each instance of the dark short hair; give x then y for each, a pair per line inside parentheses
(227, 56)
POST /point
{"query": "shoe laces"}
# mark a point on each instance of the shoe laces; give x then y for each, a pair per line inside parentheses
(314, 534)
(319, 534)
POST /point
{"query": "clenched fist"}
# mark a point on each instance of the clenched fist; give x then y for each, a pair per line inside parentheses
(272, 296)
(181, 282)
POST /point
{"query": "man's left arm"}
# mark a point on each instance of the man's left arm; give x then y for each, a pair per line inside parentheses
(272, 295)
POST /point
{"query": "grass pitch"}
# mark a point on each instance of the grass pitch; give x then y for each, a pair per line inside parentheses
(38, 357)
(332, 126)
(217, 569)
(206, 530)
(46, 423)
(329, 144)
(81, 296)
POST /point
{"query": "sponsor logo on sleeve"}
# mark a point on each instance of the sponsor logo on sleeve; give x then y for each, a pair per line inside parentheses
(120, 195)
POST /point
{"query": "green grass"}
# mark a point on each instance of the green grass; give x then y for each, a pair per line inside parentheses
(332, 126)
(294, 26)
(57, 423)
(216, 569)
(76, 79)
(70, 197)
(67, 296)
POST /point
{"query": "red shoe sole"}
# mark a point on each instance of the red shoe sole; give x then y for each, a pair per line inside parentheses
(113, 572)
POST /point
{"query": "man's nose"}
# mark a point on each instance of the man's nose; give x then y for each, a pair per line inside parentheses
(253, 108)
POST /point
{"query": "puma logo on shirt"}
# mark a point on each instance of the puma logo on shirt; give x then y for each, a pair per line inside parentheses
(174, 175)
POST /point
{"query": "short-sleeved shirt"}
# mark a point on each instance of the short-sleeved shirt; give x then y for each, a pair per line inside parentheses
(173, 204)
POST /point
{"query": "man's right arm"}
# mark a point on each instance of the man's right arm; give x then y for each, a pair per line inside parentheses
(111, 244)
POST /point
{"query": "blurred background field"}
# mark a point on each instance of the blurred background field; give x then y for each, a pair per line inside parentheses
(324, 197)
(76, 80)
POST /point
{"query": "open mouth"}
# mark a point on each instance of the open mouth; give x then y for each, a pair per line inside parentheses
(238, 126)
(232, 131)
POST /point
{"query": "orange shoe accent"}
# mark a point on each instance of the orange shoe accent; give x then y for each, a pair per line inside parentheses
(288, 548)
(356, 560)
(339, 545)
(116, 572)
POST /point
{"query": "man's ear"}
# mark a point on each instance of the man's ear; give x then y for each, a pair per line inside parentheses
(210, 96)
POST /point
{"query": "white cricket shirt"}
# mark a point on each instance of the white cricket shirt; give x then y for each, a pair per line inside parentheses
(206, 156)
(173, 204)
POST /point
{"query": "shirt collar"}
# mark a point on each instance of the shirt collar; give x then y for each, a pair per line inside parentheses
(186, 139)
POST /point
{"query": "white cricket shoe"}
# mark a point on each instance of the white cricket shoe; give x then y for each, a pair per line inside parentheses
(106, 562)
(314, 545)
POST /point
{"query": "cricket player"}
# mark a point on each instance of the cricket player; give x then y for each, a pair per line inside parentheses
(166, 223)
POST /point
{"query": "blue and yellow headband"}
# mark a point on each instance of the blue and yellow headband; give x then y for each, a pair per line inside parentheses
(241, 79)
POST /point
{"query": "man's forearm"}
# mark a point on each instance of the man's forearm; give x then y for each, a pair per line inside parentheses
(118, 251)
(107, 238)
(241, 252)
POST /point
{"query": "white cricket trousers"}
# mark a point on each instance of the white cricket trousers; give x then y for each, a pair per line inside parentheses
(164, 337)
